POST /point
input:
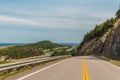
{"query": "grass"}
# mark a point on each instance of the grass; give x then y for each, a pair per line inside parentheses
(115, 62)
(4, 74)
(3, 47)
(4, 62)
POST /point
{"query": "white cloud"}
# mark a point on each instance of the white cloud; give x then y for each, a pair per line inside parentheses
(14, 20)
(47, 22)
(57, 17)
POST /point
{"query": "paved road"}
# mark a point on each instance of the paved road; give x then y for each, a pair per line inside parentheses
(76, 68)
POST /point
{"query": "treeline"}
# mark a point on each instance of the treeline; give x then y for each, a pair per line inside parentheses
(99, 30)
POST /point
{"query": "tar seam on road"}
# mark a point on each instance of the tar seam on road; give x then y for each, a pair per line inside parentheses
(85, 74)
(26, 76)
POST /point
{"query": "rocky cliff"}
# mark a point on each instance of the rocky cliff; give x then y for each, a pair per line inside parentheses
(108, 44)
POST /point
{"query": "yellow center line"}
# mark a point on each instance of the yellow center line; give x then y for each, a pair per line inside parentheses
(83, 71)
(85, 74)
(86, 71)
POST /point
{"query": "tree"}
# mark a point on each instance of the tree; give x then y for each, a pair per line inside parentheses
(118, 13)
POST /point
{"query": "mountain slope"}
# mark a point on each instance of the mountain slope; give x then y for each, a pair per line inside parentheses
(105, 43)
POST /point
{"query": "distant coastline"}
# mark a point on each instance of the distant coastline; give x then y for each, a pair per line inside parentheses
(10, 44)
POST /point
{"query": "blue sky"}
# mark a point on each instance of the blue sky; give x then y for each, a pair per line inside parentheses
(62, 21)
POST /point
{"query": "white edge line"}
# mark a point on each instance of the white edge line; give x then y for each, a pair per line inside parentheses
(26, 76)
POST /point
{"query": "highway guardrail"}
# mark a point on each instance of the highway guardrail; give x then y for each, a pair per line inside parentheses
(29, 62)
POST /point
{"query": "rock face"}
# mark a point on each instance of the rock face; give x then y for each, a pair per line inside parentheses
(108, 44)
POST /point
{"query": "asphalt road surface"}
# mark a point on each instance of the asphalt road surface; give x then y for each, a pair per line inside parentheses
(76, 68)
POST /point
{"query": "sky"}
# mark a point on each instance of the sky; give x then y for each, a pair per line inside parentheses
(61, 21)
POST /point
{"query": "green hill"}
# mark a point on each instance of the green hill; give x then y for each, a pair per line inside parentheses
(24, 51)
(45, 45)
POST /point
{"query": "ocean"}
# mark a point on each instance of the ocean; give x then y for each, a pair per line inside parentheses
(9, 44)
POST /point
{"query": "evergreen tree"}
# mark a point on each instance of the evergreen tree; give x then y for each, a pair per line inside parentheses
(118, 13)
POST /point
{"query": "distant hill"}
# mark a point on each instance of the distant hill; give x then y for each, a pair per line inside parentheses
(45, 45)
(29, 50)
(104, 40)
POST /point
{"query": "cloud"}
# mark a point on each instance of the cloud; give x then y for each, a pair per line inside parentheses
(14, 20)
(63, 17)
(29, 20)
(47, 22)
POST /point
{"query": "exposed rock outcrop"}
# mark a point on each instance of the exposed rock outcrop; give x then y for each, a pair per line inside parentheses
(108, 44)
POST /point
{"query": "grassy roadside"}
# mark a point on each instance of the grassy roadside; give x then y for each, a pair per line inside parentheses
(5, 74)
(115, 62)
(4, 62)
